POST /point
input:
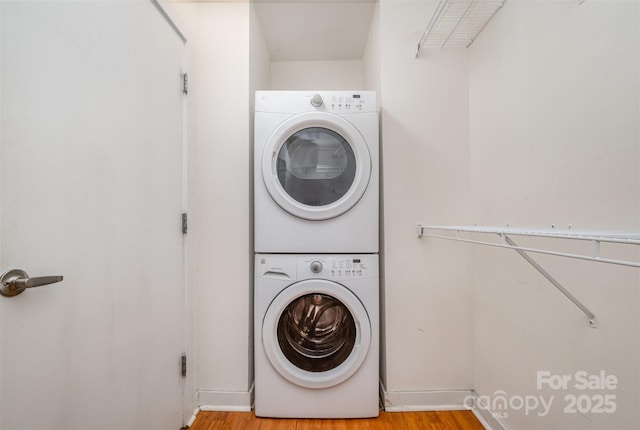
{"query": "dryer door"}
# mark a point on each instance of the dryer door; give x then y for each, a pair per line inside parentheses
(316, 165)
(316, 333)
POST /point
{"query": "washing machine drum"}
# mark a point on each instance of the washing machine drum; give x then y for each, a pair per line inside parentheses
(316, 333)
(316, 165)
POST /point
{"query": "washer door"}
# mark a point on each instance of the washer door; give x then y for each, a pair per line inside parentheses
(316, 333)
(316, 165)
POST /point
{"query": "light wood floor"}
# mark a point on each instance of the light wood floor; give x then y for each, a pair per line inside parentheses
(441, 420)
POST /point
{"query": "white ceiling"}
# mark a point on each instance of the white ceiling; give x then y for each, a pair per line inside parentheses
(315, 30)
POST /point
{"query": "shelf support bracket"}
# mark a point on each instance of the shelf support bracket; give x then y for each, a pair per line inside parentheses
(591, 317)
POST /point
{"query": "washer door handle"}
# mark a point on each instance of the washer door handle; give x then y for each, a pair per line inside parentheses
(15, 281)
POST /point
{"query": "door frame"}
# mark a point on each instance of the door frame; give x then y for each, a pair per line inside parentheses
(166, 9)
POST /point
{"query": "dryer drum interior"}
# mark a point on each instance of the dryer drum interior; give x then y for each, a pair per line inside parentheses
(316, 332)
(316, 166)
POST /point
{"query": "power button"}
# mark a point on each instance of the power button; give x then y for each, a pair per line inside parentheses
(316, 100)
(316, 267)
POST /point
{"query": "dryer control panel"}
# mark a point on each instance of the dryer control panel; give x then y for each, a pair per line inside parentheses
(295, 102)
(347, 103)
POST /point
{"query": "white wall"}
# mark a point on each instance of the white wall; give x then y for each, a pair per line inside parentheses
(427, 284)
(371, 55)
(371, 82)
(260, 62)
(317, 75)
(220, 207)
(554, 133)
(259, 79)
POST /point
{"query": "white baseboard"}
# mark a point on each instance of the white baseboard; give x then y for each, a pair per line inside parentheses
(238, 401)
(440, 400)
(486, 416)
(193, 417)
(437, 400)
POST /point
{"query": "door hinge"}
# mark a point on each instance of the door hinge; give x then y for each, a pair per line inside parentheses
(185, 223)
(185, 83)
(183, 365)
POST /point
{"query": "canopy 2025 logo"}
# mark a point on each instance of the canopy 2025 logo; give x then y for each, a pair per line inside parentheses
(595, 400)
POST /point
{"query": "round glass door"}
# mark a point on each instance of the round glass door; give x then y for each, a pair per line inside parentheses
(316, 165)
(316, 333)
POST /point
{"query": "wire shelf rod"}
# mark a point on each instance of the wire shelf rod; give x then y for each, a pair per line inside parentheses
(591, 318)
(600, 236)
(508, 243)
(540, 251)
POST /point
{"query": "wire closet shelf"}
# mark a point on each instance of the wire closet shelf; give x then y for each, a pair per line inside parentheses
(596, 238)
(456, 23)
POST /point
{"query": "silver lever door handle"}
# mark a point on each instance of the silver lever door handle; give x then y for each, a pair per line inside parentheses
(15, 281)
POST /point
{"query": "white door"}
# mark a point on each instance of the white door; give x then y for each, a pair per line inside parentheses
(91, 181)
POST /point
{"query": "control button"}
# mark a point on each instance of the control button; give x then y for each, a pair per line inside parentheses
(316, 100)
(316, 266)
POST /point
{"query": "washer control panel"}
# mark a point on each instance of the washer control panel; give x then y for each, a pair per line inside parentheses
(353, 267)
(334, 267)
(338, 267)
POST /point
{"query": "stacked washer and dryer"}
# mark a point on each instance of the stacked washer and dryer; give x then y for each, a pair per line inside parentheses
(316, 291)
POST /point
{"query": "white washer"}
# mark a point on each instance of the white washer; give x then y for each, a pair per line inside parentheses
(316, 336)
(316, 172)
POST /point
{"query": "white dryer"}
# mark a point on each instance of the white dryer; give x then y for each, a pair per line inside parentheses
(316, 336)
(316, 180)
